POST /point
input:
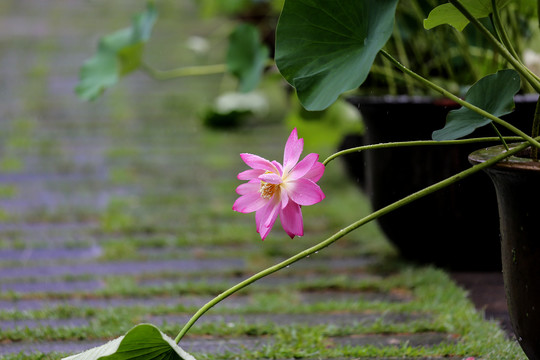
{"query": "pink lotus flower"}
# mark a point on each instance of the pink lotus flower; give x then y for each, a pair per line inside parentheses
(274, 189)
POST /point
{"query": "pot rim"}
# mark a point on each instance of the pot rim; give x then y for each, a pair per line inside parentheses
(421, 99)
(514, 162)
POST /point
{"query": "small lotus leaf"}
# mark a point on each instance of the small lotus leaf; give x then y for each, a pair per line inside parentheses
(143, 342)
(494, 93)
(246, 56)
(448, 14)
(118, 54)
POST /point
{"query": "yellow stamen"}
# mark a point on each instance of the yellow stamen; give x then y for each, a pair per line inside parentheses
(268, 190)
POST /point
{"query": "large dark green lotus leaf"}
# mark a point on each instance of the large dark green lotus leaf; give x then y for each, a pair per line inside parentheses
(118, 54)
(143, 342)
(493, 93)
(246, 56)
(326, 47)
(448, 14)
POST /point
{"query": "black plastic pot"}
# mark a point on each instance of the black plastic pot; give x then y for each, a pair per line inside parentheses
(517, 183)
(456, 228)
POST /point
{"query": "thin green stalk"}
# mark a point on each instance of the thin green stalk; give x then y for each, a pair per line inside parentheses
(505, 39)
(184, 71)
(415, 143)
(441, 63)
(538, 11)
(388, 73)
(461, 102)
(501, 32)
(500, 135)
(402, 53)
(417, 195)
(466, 53)
(533, 80)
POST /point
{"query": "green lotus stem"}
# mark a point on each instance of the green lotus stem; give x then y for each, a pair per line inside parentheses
(460, 101)
(524, 71)
(402, 53)
(466, 52)
(538, 11)
(415, 143)
(505, 39)
(198, 70)
(374, 215)
(388, 73)
(503, 141)
(184, 71)
(501, 32)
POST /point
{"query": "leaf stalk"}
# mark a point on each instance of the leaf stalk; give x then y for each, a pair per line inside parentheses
(184, 71)
(460, 101)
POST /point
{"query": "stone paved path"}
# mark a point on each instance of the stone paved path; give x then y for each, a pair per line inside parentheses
(112, 213)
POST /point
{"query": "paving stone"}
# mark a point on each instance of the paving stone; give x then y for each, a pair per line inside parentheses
(342, 319)
(30, 324)
(47, 231)
(417, 339)
(230, 320)
(232, 302)
(50, 254)
(209, 346)
(486, 291)
(278, 279)
(51, 235)
(119, 268)
(64, 287)
(47, 202)
(97, 303)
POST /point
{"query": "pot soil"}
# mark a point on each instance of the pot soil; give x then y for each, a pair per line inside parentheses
(455, 228)
(517, 183)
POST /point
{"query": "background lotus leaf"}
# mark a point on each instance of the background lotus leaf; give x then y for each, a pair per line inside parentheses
(325, 48)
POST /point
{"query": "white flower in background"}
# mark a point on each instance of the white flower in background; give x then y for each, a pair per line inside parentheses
(198, 44)
(531, 59)
(252, 102)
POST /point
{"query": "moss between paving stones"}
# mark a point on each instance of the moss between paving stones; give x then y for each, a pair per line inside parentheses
(432, 292)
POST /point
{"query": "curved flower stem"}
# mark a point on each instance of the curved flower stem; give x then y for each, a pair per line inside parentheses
(184, 71)
(376, 214)
(532, 79)
(415, 143)
(461, 102)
